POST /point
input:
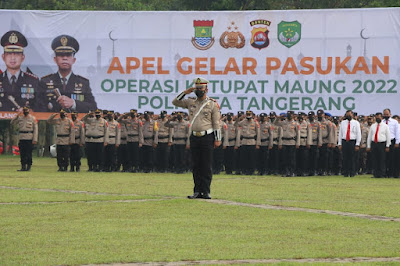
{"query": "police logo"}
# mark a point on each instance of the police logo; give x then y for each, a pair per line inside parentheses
(259, 33)
(231, 38)
(289, 33)
(203, 39)
(13, 39)
(64, 41)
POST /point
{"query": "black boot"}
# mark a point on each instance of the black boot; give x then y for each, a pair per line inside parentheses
(23, 168)
(28, 168)
(90, 168)
(59, 169)
(72, 169)
(78, 168)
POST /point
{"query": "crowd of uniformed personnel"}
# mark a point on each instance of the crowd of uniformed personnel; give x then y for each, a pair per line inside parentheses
(287, 144)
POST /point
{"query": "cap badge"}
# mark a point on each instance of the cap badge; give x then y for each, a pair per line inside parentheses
(64, 41)
(13, 38)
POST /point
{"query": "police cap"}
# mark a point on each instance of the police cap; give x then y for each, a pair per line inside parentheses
(62, 111)
(65, 44)
(328, 114)
(200, 81)
(97, 111)
(25, 109)
(163, 112)
(105, 112)
(74, 113)
(13, 42)
(272, 113)
(134, 111)
(229, 114)
(239, 113)
(248, 112)
(110, 112)
(311, 113)
(263, 115)
(320, 112)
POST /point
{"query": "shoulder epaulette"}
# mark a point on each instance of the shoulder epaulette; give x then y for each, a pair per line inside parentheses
(212, 99)
(79, 76)
(46, 76)
(192, 98)
(31, 75)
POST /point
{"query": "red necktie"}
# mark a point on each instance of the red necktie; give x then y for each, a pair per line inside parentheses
(376, 134)
(348, 132)
(387, 122)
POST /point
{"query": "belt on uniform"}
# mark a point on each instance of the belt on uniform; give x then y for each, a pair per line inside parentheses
(26, 132)
(179, 138)
(111, 137)
(243, 137)
(202, 133)
(133, 135)
(231, 139)
(163, 137)
(303, 137)
(77, 137)
(289, 138)
(325, 137)
(275, 139)
(94, 137)
(62, 136)
(148, 138)
(264, 140)
(123, 138)
(348, 140)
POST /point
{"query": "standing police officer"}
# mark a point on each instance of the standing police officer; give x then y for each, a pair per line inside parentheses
(150, 141)
(65, 137)
(75, 153)
(229, 144)
(266, 138)
(28, 136)
(205, 134)
(164, 143)
(114, 139)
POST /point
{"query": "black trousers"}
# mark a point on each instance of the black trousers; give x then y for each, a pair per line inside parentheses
(122, 157)
(25, 151)
(247, 159)
(348, 151)
(392, 163)
(274, 159)
(379, 158)
(179, 157)
(147, 155)
(337, 160)
(262, 162)
(218, 160)
(302, 160)
(229, 159)
(202, 154)
(63, 153)
(95, 153)
(133, 154)
(313, 160)
(110, 157)
(75, 155)
(162, 157)
(289, 158)
(323, 161)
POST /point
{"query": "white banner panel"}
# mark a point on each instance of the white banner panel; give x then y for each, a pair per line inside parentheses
(258, 60)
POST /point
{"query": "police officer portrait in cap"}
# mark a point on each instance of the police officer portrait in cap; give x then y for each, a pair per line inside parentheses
(17, 88)
(205, 134)
(64, 89)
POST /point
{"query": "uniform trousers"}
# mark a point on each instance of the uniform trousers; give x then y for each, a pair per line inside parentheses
(25, 151)
(229, 159)
(337, 160)
(313, 160)
(162, 156)
(133, 155)
(75, 155)
(110, 157)
(392, 163)
(379, 158)
(95, 154)
(63, 153)
(147, 155)
(218, 160)
(289, 159)
(302, 160)
(179, 156)
(274, 159)
(348, 151)
(323, 162)
(247, 159)
(262, 162)
(122, 157)
(202, 155)
(362, 161)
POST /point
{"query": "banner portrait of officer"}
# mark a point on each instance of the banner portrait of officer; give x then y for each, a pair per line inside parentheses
(64, 89)
(18, 89)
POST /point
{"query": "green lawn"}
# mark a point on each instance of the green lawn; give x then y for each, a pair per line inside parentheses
(82, 228)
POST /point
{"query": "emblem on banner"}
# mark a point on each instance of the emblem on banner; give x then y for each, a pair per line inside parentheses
(203, 39)
(289, 33)
(231, 38)
(259, 33)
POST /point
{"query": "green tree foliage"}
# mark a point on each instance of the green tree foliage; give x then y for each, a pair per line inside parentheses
(180, 5)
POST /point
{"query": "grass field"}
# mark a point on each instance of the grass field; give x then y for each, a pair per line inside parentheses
(54, 218)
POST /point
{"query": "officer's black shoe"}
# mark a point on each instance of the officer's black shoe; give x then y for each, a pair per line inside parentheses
(59, 169)
(96, 169)
(72, 169)
(195, 195)
(23, 168)
(206, 196)
(28, 167)
(78, 169)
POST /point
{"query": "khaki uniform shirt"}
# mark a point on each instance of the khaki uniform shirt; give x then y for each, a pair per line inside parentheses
(181, 131)
(96, 129)
(114, 133)
(248, 133)
(64, 129)
(364, 135)
(267, 135)
(134, 129)
(316, 134)
(124, 134)
(230, 134)
(150, 133)
(208, 118)
(305, 133)
(291, 133)
(79, 128)
(165, 134)
(277, 132)
(27, 127)
(328, 135)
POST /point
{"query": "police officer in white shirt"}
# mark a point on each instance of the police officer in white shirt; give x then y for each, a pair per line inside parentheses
(349, 142)
(378, 142)
(392, 168)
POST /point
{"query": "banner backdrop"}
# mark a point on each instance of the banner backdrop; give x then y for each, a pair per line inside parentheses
(255, 60)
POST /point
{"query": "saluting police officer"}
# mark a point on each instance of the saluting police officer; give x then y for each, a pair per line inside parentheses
(28, 136)
(64, 89)
(96, 138)
(205, 134)
(75, 153)
(150, 140)
(65, 137)
(17, 88)
(315, 145)
(275, 158)
(114, 139)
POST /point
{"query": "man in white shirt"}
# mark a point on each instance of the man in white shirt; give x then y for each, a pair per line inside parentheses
(349, 142)
(379, 140)
(392, 168)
